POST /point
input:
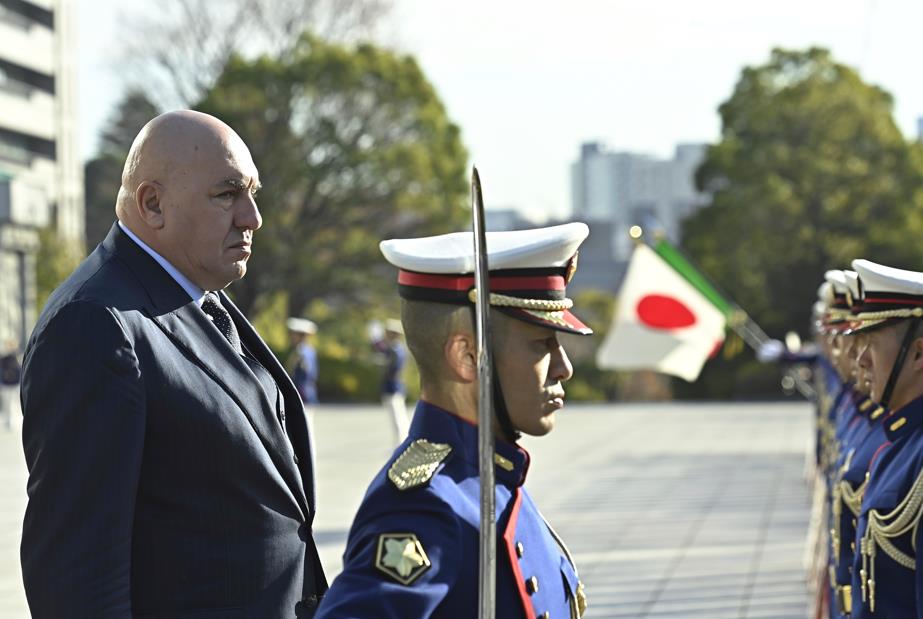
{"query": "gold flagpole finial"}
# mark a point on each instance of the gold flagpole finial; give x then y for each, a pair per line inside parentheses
(635, 232)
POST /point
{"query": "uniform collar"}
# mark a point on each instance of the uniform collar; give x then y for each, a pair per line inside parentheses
(904, 420)
(439, 425)
(869, 409)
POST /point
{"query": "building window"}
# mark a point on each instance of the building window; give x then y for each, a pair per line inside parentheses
(24, 15)
(14, 150)
(20, 148)
(22, 81)
(6, 201)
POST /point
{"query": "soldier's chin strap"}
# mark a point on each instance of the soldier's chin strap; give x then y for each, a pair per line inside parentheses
(510, 433)
(503, 415)
(899, 360)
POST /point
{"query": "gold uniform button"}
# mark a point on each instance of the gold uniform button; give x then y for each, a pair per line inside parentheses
(532, 585)
(520, 549)
(852, 546)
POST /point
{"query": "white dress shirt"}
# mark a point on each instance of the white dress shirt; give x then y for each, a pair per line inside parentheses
(196, 293)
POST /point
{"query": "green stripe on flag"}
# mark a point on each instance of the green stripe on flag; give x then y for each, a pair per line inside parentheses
(675, 259)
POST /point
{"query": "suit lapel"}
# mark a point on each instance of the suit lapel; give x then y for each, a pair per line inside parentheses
(295, 419)
(190, 330)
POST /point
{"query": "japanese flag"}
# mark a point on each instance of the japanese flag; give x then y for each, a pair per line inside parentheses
(662, 322)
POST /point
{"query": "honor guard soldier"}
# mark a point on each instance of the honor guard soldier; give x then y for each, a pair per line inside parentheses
(413, 547)
(840, 418)
(843, 410)
(887, 580)
(861, 435)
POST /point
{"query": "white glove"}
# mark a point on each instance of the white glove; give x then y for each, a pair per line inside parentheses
(375, 331)
(770, 351)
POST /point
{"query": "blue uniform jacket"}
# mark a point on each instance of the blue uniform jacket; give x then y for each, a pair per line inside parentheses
(414, 553)
(860, 445)
(887, 570)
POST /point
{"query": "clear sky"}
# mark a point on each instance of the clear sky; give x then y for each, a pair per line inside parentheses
(528, 81)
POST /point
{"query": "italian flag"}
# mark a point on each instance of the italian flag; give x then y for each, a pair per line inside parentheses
(669, 318)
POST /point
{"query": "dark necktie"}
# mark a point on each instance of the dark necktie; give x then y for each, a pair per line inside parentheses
(212, 307)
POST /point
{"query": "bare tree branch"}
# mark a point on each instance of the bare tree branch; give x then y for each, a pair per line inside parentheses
(176, 50)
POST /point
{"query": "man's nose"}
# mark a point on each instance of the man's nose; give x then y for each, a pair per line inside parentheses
(561, 368)
(248, 215)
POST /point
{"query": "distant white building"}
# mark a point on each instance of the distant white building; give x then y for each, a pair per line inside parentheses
(622, 189)
(41, 178)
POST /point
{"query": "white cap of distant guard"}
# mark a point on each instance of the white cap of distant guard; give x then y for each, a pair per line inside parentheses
(825, 293)
(529, 271)
(837, 279)
(888, 294)
(853, 287)
(838, 312)
(301, 325)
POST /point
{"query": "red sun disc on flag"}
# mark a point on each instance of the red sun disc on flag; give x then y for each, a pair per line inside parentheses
(658, 311)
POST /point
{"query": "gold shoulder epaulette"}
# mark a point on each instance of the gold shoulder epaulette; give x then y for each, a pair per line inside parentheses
(417, 465)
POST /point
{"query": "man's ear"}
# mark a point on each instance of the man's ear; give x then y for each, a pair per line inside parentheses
(148, 203)
(917, 350)
(461, 357)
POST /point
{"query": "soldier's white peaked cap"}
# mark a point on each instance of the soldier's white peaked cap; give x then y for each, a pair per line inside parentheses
(517, 249)
(880, 278)
(529, 271)
(301, 325)
(852, 284)
(837, 279)
(889, 294)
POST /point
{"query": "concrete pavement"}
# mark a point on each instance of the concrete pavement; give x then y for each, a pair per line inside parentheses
(692, 511)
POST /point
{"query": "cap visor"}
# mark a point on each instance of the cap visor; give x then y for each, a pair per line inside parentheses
(559, 321)
(864, 326)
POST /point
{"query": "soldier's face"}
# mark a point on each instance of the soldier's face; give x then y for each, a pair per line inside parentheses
(863, 379)
(532, 367)
(877, 361)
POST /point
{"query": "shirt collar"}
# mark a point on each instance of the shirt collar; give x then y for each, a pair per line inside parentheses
(439, 425)
(191, 289)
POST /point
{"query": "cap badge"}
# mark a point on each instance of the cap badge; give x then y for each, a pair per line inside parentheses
(401, 556)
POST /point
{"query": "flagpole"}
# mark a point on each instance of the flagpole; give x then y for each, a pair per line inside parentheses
(739, 320)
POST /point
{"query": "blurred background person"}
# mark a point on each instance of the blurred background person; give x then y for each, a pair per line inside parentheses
(10, 370)
(302, 362)
(387, 341)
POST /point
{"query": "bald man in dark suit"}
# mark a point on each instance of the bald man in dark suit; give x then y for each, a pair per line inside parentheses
(170, 469)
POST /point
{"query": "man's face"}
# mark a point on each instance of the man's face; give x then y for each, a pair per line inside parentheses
(847, 358)
(877, 361)
(210, 214)
(862, 376)
(532, 366)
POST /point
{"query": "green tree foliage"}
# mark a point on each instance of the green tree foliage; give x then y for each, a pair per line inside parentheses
(56, 259)
(354, 146)
(811, 172)
(103, 173)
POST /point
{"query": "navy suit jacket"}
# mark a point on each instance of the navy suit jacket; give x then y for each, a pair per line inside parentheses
(163, 482)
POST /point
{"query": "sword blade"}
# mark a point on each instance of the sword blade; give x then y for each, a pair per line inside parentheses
(487, 556)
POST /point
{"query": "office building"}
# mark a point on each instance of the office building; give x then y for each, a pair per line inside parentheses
(623, 189)
(41, 180)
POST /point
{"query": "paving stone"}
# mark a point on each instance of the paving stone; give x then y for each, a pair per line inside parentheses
(696, 511)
